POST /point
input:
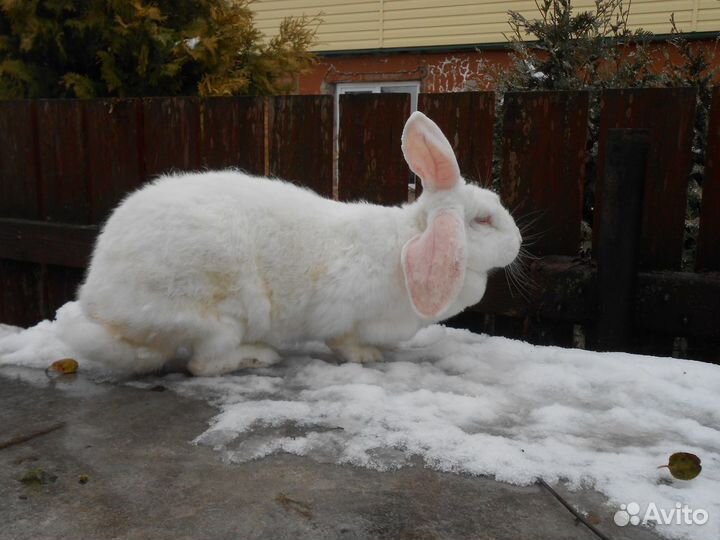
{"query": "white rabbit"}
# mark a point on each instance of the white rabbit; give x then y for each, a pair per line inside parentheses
(220, 268)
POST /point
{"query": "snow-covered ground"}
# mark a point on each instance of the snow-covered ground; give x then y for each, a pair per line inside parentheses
(468, 403)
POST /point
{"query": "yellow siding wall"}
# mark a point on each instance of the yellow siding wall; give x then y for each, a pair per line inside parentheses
(708, 18)
(345, 25)
(370, 24)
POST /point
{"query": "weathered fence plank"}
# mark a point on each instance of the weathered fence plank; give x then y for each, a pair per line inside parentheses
(371, 166)
(20, 189)
(232, 134)
(171, 135)
(668, 113)
(708, 249)
(301, 141)
(65, 195)
(543, 170)
(679, 304)
(46, 243)
(543, 165)
(21, 293)
(61, 285)
(19, 186)
(41, 266)
(114, 129)
(467, 119)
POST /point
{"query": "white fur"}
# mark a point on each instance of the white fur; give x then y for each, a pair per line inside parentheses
(222, 267)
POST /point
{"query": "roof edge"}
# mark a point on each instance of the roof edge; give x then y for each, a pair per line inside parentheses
(494, 46)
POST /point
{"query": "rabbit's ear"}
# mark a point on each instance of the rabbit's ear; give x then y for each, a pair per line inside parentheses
(429, 154)
(434, 263)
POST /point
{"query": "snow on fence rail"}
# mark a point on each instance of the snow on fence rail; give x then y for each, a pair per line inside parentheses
(64, 164)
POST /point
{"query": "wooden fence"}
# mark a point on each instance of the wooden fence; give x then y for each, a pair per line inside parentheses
(64, 164)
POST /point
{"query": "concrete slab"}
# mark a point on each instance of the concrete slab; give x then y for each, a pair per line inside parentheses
(146, 480)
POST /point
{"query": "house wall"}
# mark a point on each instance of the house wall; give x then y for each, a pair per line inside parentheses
(441, 71)
(436, 72)
(373, 24)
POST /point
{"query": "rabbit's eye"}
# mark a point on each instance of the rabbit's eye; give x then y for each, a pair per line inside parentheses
(483, 220)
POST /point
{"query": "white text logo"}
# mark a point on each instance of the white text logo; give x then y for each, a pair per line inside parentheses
(629, 514)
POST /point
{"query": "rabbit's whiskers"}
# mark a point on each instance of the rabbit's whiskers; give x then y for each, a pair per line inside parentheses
(517, 275)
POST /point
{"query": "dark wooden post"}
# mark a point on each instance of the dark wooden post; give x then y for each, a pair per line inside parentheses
(619, 235)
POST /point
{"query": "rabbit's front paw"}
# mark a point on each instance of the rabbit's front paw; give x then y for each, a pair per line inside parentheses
(244, 356)
(352, 352)
(257, 356)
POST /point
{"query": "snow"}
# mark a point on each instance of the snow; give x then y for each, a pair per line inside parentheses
(468, 403)
(192, 42)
